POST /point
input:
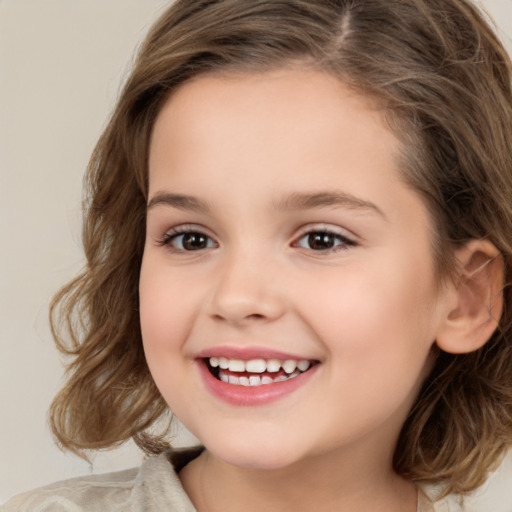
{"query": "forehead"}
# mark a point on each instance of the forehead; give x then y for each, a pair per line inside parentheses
(288, 115)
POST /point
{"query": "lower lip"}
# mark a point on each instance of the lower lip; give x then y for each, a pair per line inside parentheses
(253, 395)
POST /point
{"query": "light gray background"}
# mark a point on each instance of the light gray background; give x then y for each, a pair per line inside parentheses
(61, 65)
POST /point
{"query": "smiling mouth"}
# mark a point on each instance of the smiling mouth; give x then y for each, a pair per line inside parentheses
(256, 372)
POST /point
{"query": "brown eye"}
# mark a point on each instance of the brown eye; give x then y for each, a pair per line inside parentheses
(192, 241)
(323, 241)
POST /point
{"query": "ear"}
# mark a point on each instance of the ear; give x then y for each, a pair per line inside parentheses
(475, 300)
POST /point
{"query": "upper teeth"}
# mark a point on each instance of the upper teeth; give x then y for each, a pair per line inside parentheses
(259, 365)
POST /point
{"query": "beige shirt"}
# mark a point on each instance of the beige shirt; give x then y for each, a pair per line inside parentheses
(154, 487)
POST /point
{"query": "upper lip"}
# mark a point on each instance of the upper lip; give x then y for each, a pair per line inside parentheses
(248, 353)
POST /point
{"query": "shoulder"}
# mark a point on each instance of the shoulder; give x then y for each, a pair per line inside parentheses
(77, 494)
(152, 487)
(432, 500)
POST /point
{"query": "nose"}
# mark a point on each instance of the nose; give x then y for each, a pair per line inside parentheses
(247, 290)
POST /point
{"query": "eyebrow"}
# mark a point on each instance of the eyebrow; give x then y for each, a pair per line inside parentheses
(294, 201)
(179, 201)
(308, 201)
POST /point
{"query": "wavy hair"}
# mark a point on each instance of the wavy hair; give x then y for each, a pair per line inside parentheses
(444, 83)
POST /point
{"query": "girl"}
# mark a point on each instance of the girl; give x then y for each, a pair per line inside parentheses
(298, 240)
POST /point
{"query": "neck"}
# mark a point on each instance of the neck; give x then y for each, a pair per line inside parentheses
(321, 483)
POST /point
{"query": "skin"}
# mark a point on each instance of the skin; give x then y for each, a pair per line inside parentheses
(368, 308)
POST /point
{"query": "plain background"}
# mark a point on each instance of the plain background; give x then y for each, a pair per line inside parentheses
(61, 66)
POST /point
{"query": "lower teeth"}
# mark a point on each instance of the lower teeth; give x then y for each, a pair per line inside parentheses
(255, 380)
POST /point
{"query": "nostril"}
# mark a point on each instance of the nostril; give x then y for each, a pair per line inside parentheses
(241, 318)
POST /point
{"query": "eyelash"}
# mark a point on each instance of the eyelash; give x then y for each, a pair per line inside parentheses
(172, 235)
(343, 245)
(343, 241)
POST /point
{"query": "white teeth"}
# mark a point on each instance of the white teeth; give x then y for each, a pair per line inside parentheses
(256, 366)
(235, 365)
(255, 380)
(273, 365)
(289, 366)
(303, 365)
(244, 381)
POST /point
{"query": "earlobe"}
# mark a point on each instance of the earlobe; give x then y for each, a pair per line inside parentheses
(476, 302)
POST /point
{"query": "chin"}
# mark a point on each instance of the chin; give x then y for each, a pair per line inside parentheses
(253, 453)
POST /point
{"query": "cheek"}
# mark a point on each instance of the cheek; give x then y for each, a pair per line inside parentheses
(375, 314)
(166, 309)
(166, 316)
(378, 332)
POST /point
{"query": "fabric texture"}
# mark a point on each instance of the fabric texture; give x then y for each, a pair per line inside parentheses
(153, 487)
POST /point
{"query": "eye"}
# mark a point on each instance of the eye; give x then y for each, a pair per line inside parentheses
(185, 240)
(323, 241)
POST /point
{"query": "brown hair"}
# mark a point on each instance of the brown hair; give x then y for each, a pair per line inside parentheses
(444, 83)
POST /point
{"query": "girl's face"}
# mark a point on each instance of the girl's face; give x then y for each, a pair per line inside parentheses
(278, 229)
